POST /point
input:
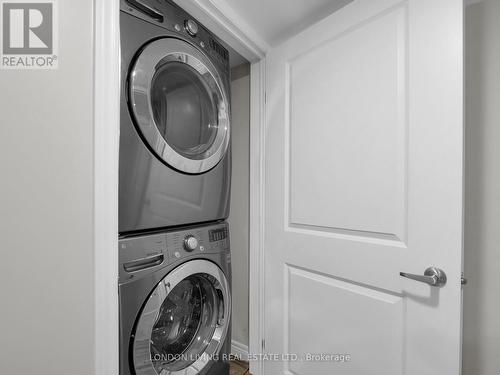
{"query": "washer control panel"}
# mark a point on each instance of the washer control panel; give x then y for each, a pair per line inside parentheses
(156, 250)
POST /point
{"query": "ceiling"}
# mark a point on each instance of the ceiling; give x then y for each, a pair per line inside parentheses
(276, 20)
(254, 26)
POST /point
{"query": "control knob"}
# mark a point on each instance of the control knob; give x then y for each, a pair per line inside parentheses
(191, 27)
(190, 243)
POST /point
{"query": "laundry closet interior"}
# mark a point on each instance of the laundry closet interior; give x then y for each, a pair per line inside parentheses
(183, 213)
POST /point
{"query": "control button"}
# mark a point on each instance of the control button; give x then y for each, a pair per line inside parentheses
(177, 254)
(191, 27)
(177, 27)
(190, 243)
(202, 44)
(202, 248)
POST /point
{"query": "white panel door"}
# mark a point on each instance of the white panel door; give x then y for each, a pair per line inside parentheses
(363, 180)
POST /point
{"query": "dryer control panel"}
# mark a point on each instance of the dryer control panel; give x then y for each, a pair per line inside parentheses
(170, 16)
(150, 251)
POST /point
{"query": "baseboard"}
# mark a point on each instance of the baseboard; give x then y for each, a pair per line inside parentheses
(239, 350)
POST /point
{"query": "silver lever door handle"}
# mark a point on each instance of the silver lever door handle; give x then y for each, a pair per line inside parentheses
(432, 276)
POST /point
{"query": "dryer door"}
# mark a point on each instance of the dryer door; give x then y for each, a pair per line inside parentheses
(184, 322)
(180, 105)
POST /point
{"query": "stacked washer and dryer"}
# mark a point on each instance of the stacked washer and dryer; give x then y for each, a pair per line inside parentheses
(174, 187)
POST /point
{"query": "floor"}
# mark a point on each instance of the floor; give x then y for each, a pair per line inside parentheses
(239, 368)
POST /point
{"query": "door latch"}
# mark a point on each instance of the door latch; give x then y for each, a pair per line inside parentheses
(463, 280)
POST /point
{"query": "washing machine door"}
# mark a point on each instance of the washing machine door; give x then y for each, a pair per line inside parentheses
(184, 322)
(180, 105)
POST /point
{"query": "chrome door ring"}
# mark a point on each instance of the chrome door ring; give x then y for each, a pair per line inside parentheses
(149, 314)
(154, 55)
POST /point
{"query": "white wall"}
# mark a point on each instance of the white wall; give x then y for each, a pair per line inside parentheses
(481, 355)
(46, 193)
(238, 219)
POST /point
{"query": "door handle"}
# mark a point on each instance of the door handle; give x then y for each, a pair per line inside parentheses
(432, 276)
(144, 263)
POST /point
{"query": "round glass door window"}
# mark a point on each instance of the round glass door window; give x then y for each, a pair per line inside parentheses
(184, 322)
(180, 105)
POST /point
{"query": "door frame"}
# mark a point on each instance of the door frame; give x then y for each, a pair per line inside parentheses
(106, 141)
(222, 20)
